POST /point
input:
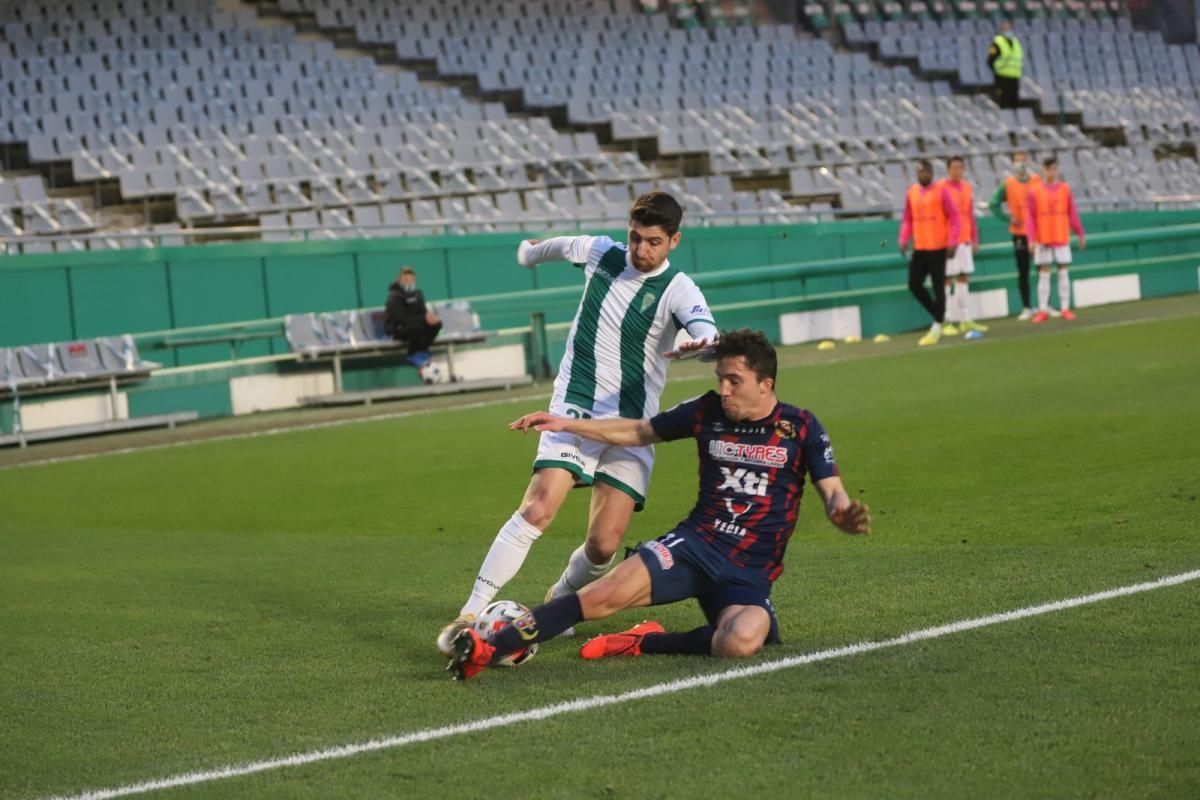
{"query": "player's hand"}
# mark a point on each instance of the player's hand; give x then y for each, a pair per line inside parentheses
(1082, 243)
(693, 348)
(903, 248)
(539, 421)
(431, 318)
(975, 248)
(523, 252)
(854, 519)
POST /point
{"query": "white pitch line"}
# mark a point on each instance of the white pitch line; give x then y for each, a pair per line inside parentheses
(600, 701)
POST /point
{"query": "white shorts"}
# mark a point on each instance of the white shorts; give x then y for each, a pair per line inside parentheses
(962, 262)
(625, 468)
(1044, 255)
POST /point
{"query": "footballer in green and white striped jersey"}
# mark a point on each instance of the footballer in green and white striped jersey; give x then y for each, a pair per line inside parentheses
(614, 364)
(634, 305)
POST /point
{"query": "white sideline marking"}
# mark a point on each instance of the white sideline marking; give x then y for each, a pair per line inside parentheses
(599, 701)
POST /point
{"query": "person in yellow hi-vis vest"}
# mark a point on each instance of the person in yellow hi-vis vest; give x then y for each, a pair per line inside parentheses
(1006, 58)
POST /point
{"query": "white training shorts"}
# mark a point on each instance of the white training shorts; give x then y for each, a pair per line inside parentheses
(961, 261)
(625, 468)
(1045, 255)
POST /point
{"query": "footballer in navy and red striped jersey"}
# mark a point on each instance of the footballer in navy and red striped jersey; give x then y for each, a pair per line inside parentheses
(751, 477)
(755, 455)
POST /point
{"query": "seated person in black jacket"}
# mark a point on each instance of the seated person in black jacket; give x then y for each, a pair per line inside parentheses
(408, 320)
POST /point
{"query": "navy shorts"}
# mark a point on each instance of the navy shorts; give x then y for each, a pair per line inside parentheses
(682, 565)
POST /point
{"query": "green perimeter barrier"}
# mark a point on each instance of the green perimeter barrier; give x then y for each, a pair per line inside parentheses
(65, 296)
(1166, 258)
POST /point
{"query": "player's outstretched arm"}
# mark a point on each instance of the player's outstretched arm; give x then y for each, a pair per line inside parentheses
(848, 516)
(702, 348)
(574, 249)
(621, 432)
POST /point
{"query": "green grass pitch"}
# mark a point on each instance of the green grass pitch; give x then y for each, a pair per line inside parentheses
(188, 608)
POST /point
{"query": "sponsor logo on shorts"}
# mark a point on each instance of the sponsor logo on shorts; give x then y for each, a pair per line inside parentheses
(571, 457)
(759, 454)
(526, 625)
(662, 553)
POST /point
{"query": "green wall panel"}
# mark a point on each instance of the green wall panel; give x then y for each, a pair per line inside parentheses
(120, 298)
(209, 399)
(35, 306)
(489, 270)
(740, 249)
(229, 290)
(301, 283)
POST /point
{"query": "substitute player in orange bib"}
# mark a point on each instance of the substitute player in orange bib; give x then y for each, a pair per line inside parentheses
(1050, 219)
(960, 256)
(1014, 193)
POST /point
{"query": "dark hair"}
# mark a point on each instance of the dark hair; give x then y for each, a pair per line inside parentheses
(924, 164)
(657, 208)
(754, 346)
(959, 159)
(407, 270)
(1050, 162)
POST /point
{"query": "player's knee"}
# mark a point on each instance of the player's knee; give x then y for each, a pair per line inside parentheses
(538, 510)
(738, 642)
(601, 547)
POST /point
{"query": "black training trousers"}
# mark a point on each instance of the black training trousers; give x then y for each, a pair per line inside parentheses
(1021, 251)
(929, 264)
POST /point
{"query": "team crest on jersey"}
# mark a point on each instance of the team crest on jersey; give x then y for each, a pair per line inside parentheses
(784, 429)
(648, 300)
(526, 625)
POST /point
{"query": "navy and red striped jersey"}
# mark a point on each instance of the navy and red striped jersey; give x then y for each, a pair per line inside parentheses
(751, 476)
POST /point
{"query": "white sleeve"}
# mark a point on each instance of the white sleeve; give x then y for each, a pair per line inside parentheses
(691, 311)
(573, 249)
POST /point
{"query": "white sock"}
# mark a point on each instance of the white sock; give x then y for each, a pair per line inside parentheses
(951, 310)
(1064, 290)
(502, 562)
(962, 294)
(580, 571)
(1043, 290)
(936, 328)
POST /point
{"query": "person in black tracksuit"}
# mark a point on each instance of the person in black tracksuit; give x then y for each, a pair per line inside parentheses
(407, 319)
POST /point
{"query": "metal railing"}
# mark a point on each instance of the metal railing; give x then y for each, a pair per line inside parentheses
(181, 237)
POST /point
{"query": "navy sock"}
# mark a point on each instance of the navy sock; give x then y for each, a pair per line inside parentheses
(541, 624)
(697, 642)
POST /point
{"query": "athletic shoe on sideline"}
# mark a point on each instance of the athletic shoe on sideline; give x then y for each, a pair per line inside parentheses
(949, 329)
(625, 643)
(1068, 315)
(972, 335)
(971, 325)
(1025, 315)
(1040, 317)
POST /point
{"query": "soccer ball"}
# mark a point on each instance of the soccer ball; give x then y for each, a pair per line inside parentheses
(495, 617)
(431, 373)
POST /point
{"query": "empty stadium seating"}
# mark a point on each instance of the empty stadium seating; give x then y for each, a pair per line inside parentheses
(226, 120)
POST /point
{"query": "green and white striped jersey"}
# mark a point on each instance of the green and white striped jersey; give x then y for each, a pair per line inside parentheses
(627, 319)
